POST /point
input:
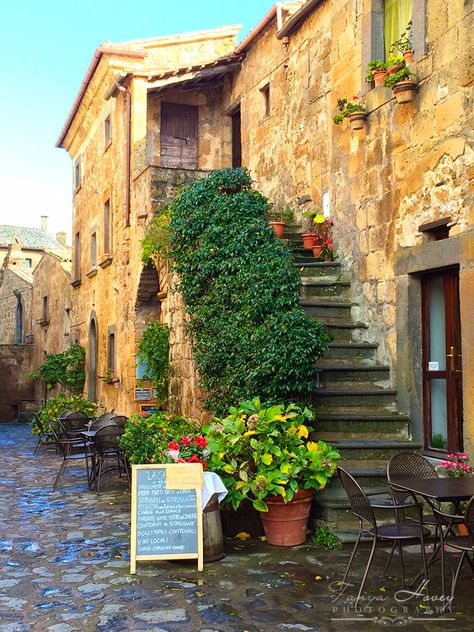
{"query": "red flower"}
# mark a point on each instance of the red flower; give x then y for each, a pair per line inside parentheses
(200, 442)
(186, 441)
(172, 445)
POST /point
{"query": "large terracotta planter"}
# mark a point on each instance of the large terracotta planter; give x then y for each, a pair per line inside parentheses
(285, 524)
(278, 227)
(379, 76)
(404, 91)
(309, 240)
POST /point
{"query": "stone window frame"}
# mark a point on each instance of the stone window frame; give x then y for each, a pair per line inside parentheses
(77, 259)
(373, 36)
(77, 173)
(93, 258)
(107, 228)
(265, 95)
(107, 128)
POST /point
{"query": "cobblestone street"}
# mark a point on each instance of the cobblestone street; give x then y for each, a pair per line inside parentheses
(64, 567)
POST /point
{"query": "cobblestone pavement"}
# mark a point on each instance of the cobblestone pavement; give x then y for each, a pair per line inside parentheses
(64, 567)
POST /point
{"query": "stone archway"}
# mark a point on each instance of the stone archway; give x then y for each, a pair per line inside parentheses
(92, 358)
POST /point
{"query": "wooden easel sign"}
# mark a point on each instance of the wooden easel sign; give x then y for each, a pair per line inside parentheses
(166, 515)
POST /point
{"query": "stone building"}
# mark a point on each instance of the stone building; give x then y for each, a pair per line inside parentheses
(51, 312)
(153, 114)
(31, 243)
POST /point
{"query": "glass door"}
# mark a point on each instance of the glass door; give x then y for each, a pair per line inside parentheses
(442, 369)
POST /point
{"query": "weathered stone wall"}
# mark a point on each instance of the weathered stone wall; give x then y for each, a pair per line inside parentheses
(16, 390)
(51, 278)
(11, 282)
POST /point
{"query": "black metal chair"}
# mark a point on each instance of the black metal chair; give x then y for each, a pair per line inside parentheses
(74, 422)
(75, 449)
(120, 421)
(462, 544)
(397, 532)
(107, 450)
(101, 422)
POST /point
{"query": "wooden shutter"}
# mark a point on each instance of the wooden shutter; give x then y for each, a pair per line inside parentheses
(179, 135)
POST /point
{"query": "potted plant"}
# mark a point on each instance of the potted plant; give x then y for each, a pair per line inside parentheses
(278, 218)
(263, 455)
(355, 111)
(403, 84)
(394, 64)
(109, 377)
(376, 71)
(404, 45)
(316, 219)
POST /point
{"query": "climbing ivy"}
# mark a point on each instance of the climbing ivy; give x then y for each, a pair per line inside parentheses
(153, 350)
(66, 368)
(240, 287)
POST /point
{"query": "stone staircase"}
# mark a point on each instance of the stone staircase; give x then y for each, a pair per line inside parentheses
(357, 408)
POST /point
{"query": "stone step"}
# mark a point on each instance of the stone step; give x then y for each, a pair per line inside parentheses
(357, 425)
(327, 287)
(315, 268)
(371, 451)
(355, 397)
(351, 350)
(327, 308)
(353, 372)
(343, 330)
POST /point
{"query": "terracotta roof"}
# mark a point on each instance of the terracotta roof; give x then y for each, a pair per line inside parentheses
(33, 238)
(221, 62)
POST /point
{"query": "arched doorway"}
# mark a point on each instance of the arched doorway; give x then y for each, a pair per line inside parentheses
(92, 359)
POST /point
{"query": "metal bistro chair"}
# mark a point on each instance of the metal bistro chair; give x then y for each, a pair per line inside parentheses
(75, 449)
(107, 449)
(74, 422)
(120, 421)
(395, 531)
(101, 422)
(45, 437)
(462, 544)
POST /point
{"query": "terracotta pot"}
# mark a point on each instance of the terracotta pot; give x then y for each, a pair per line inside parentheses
(309, 240)
(317, 249)
(404, 91)
(357, 120)
(379, 76)
(285, 524)
(278, 227)
(408, 55)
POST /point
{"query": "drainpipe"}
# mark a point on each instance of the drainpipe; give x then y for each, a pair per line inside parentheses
(112, 93)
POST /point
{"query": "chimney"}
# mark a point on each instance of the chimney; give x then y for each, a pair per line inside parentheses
(44, 223)
(61, 238)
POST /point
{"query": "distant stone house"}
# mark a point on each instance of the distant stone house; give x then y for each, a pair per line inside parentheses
(154, 114)
(32, 243)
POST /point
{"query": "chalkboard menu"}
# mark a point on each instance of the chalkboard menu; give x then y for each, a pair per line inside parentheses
(166, 513)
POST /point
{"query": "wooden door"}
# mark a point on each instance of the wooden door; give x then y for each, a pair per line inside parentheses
(442, 368)
(179, 135)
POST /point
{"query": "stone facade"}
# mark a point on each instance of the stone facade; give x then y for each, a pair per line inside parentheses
(51, 312)
(16, 389)
(411, 164)
(16, 287)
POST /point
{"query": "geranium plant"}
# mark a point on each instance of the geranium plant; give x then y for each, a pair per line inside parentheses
(347, 107)
(261, 452)
(189, 449)
(457, 466)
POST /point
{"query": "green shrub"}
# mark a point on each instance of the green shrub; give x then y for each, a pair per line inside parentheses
(54, 406)
(153, 349)
(240, 287)
(145, 439)
(262, 451)
(66, 368)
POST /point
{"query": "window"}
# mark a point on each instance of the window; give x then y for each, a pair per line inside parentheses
(265, 92)
(111, 348)
(44, 317)
(19, 322)
(77, 173)
(77, 257)
(107, 131)
(93, 251)
(107, 228)
(397, 15)
(28, 263)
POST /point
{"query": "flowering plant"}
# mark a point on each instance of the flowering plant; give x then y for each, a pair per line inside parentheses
(457, 467)
(189, 450)
(261, 452)
(347, 107)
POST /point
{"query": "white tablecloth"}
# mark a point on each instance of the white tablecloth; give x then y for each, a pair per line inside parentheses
(212, 485)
